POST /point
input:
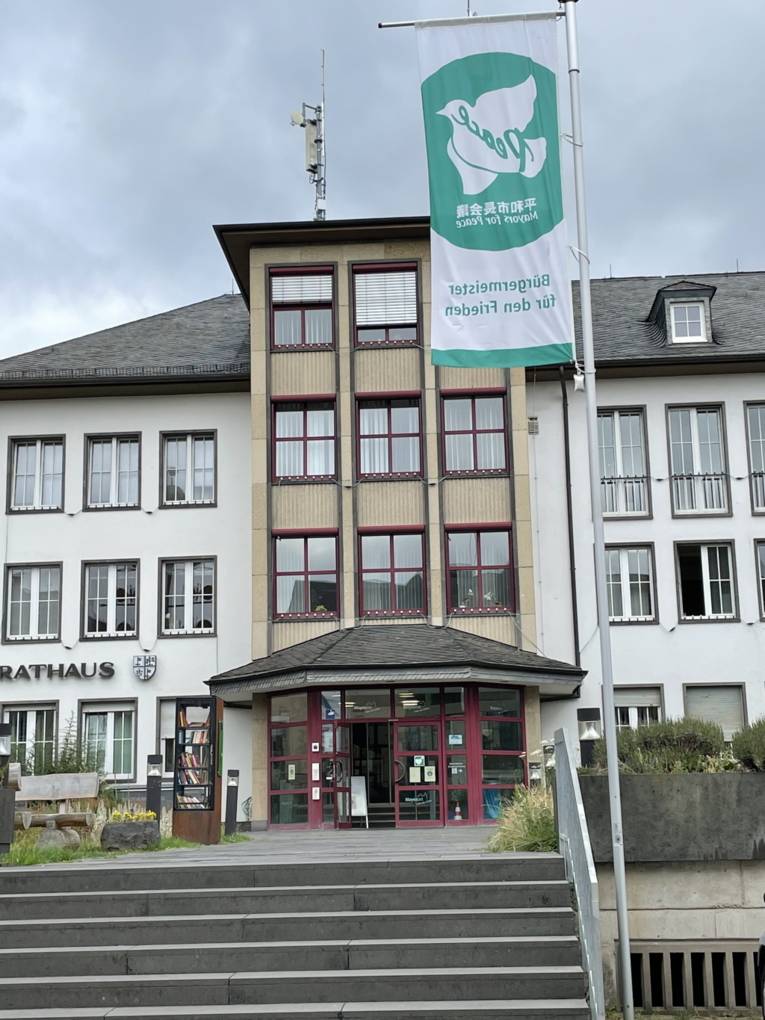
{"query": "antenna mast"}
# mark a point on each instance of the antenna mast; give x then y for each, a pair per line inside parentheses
(312, 120)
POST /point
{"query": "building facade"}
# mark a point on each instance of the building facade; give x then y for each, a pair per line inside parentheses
(382, 569)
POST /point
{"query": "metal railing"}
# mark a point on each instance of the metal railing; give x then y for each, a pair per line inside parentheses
(699, 493)
(574, 842)
(624, 494)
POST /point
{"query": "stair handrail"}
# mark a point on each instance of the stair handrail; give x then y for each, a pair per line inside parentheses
(574, 844)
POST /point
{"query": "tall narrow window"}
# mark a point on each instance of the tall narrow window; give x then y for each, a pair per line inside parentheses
(629, 580)
(389, 437)
(705, 577)
(697, 458)
(37, 474)
(188, 597)
(306, 575)
(755, 426)
(760, 554)
(113, 471)
(301, 308)
(188, 468)
(108, 738)
(111, 600)
(392, 574)
(479, 571)
(304, 440)
(33, 603)
(474, 434)
(623, 481)
(33, 729)
(385, 300)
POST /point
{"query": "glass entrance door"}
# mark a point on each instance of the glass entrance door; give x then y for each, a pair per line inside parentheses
(418, 767)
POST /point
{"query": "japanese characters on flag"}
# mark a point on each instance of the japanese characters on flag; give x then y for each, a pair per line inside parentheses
(500, 292)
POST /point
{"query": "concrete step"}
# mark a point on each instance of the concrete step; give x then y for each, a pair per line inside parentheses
(95, 876)
(287, 927)
(361, 954)
(518, 1009)
(142, 903)
(362, 985)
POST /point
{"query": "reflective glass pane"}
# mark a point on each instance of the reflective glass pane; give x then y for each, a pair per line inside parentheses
(499, 701)
(410, 591)
(289, 809)
(418, 805)
(321, 553)
(405, 455)
(318, 326)
(489, 413)
(331, 704)
(493, 799)
(407, 551)
(491, 451)
(290, 595)
(418, 701)
(375, 552)
(287, 741)
(495, 548)
(289, 707)
(459, 452)
(501, 769)
(289, 775)
(375, 592)
(463, 589)
(417, 738)
(361, 704)
(321, 421)
(455, 734)
(463, 548)
(322, 593)
(456, 770)
(458, 805)
(289, 555)
(458, 414)
(501, 736)
(454, 701)
(404, 417)
(287, 327)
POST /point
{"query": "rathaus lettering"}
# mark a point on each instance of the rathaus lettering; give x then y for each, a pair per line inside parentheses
(64, 671)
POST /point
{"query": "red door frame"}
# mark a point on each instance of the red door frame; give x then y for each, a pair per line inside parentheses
(400, 756)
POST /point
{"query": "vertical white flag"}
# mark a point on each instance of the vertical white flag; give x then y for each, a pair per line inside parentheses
(500, 293)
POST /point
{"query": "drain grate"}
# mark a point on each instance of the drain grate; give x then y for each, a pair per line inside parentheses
(682, 975)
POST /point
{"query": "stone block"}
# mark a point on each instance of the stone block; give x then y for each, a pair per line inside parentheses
(129, 835)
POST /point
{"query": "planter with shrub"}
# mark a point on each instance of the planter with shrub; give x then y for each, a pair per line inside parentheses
(685, 795)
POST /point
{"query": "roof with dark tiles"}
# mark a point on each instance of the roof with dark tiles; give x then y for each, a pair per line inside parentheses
(210, 339)
(387, 646)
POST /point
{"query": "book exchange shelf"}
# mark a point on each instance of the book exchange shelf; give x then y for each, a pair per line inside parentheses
(197, 771)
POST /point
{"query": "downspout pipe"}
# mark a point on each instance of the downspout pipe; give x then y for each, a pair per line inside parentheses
(570, 516)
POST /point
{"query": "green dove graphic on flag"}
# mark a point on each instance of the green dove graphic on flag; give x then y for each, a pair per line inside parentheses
(500, 290)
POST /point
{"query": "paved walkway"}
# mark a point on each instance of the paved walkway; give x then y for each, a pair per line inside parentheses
(280, 846)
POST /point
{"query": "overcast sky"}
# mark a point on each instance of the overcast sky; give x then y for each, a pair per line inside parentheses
(128, 128)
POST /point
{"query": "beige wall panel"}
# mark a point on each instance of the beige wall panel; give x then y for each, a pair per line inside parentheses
(304, 506)
(260, 779)
(286, 634)
(533, 717)
(471, 500)
(407, 250)
(300, 373)
(498, 628)
(471, 378)
(394, 503)
(387, 371)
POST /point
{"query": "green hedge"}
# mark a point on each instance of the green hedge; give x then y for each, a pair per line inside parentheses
(677, 745)
(749, 746)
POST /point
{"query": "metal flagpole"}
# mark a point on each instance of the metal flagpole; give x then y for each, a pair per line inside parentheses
(609, 715)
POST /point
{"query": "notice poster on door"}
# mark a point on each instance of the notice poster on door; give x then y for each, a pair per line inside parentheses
(358, 797)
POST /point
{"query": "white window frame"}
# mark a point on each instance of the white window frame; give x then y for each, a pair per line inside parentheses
(110, 710)
(706, 491)
(166, 732)
(756, 463)
(39, 474)
(31, 710)
(625, 586)
(673, 307)
(114, 479)
(759, 563)
(34, 633)
(190, 439)
(704, 548)
(637, 706)
(111, 599)
(188, 597)
(624, 494)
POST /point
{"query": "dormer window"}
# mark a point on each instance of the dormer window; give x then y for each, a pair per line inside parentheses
(687, 318)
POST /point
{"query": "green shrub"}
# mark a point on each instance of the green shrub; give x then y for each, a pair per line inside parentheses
(749, 746)
(677, 745)
(527, 822)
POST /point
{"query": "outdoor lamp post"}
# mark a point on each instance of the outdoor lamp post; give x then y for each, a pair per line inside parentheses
(590, 730)
(232, 794)
(154, 784)
(7, 797)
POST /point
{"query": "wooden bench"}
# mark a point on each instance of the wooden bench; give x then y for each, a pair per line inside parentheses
(60, 789)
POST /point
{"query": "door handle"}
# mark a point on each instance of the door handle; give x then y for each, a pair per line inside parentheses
(400, 768)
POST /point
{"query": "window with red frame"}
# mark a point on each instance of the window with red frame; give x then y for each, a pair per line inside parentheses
(480, 571)
(389, 437)
(392, 574)
(301, 308)
(306, 575)
(386, 304)
(304, 440)
(474, 434)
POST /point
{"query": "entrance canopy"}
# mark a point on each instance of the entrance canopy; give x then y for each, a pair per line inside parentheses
(374, 654)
